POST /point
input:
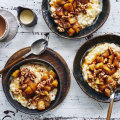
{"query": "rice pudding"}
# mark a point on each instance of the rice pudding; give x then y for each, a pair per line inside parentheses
(71, 16)
(34, 86)
(101, 68)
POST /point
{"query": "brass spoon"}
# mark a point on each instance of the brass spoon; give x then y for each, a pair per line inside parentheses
(37, 48)
(112, 96)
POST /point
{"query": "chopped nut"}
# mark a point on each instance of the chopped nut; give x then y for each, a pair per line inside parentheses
(22, 79)
(25, 72)
(16, 92)
(24, 86)
(110, 65)
(105, 60)
(55, 16)
(59, 11)
(29, 102)
(66, 25)
(60, 29)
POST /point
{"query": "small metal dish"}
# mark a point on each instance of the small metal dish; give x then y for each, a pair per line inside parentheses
(35, 19)
(18, 106)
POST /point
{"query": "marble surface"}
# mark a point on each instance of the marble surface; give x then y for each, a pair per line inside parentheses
(77, 105)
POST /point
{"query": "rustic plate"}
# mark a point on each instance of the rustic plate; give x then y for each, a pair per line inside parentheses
(77, 72)
(55, 60)
(83, 33)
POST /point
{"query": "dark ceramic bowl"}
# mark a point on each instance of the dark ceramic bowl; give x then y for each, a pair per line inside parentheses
(77, 71)
(17, 105)
(83, 33)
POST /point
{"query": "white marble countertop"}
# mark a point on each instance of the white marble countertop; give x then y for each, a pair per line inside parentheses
(77, 105)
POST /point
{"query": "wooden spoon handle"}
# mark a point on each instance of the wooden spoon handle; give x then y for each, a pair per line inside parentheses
(110, 108)
(10, 65)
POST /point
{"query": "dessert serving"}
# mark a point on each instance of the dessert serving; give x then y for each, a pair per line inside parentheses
(34, 86)
(71, 16)
(101, 68)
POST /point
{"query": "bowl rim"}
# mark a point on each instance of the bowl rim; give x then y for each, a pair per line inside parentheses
(74, 67)
(54, 105)
(83, 36)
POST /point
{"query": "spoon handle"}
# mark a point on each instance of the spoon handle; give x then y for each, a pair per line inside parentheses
(10, 65)
(110, 106)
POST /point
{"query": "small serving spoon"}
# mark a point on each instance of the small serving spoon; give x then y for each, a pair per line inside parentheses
(112, 96)
(37, 48)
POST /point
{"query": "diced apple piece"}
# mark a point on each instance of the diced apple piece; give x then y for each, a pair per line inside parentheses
(92, 67)
(47, 104)
(41, 105)
(48, 88)
(59, 11)
(105, 67)
(106, 54)
(72, 20)
(109, 80)
(55, 83)
(51, 72)
(71, 32)
(16, 73)
(75, 4)
(60, 2)
(111, 57)
(28, 90)
(32, 85)
(71, 1)
(110, 61)
(99, 82)
(112, 71)
(116, 62)
(102, 87)
(99, 66)
(44, 77)
(107, 92)
(68, 7)
(100, 59)
(77, 29)
(47, 101)
(117, 54)
(44, 93)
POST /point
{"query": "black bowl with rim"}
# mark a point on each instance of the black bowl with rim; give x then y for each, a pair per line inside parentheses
(83, 33)
(18, 106)
(77, 70)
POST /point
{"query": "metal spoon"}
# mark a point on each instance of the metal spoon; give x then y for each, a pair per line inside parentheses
(112, 96)
(37, 48)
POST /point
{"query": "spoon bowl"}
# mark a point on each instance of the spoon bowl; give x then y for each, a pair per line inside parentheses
(39, 46)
